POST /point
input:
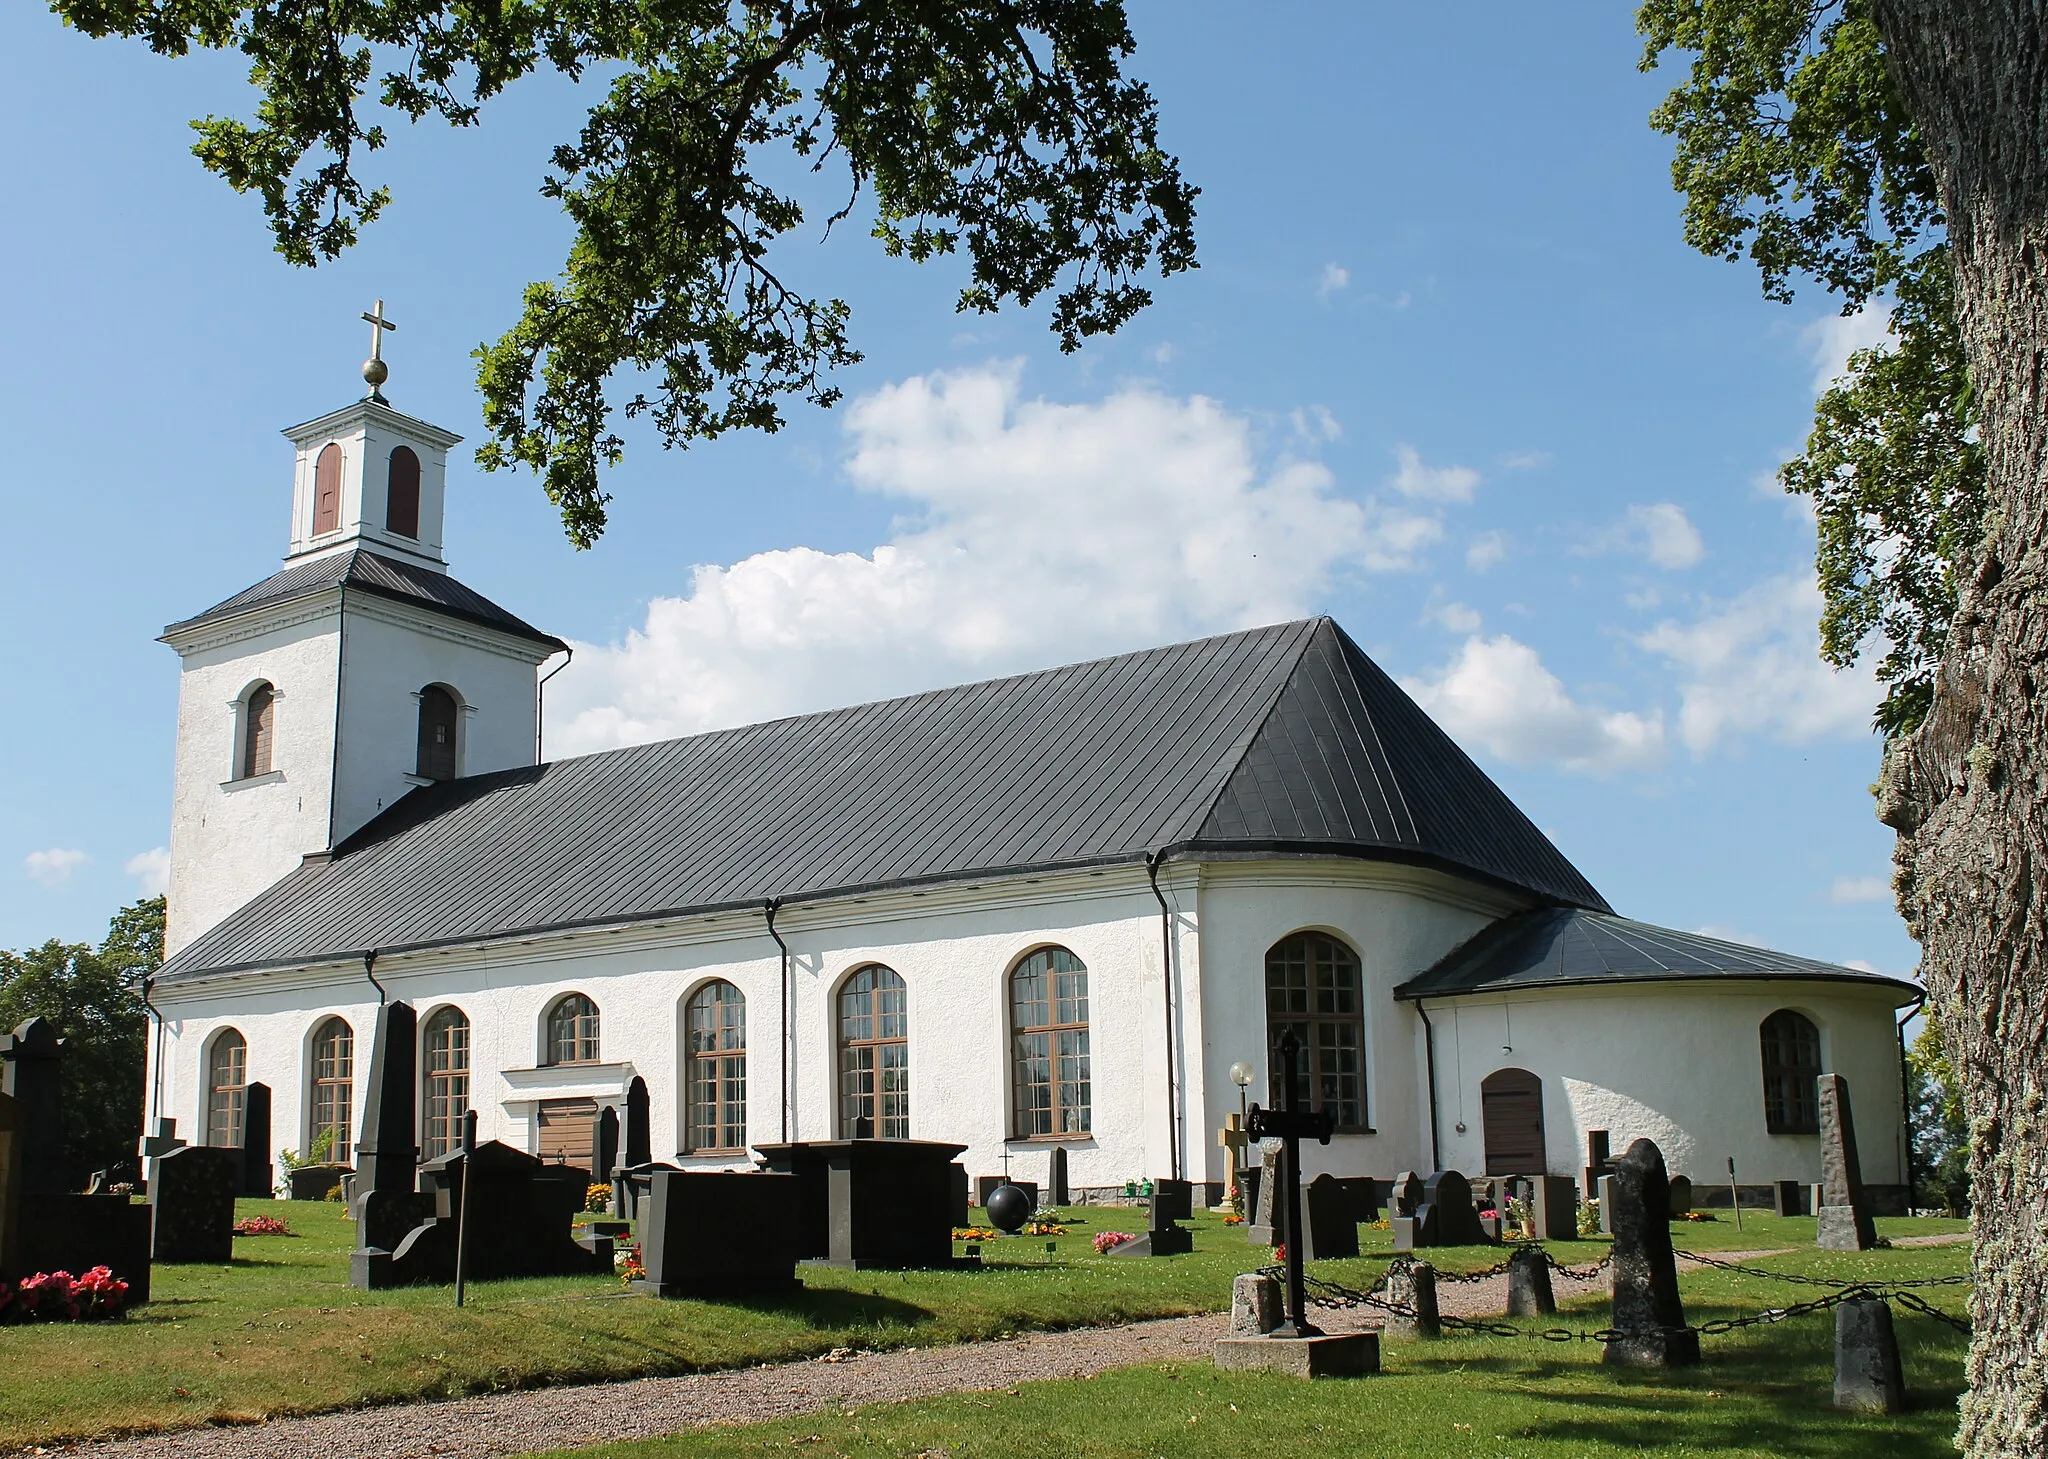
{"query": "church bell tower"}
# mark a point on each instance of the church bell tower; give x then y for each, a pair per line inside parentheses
(359, 673)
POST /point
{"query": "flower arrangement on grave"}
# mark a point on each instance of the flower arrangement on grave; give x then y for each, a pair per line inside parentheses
(1520, 1218)
(1104, 1240)
(1699, 1216)
(261, 1226)
(333, 1193)
(1382, 1224)
(975, 1233)
(1045, 1228)
(1280, 1254)
(1589, 1218)
(1233, 1219)
(597, 1197)
(631, 1268)
(61, 1297)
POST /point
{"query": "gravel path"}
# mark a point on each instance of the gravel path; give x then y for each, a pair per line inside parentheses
(503, 1424)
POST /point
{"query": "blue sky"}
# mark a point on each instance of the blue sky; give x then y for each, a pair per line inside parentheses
(1447, 372)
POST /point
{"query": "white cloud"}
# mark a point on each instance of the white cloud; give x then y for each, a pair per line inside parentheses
(1336, 278)
(1660, 532)
(1457, 617)
(54, 866)
(1832, 338)
(1432, 483)
(1861, 889)
(1037, 532)
(1497, 694)
(151, 869)
(1314, 423)
(1486, 551)
(1753, 666)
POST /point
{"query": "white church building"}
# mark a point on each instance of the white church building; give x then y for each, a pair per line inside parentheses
(1050, 909)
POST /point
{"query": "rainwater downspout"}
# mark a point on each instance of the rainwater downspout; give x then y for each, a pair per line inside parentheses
(1436, 1159)
(1906, 1102)
(769, 908)
(1152, 859)
(370, 972)
(153, 1097)
(540, 702)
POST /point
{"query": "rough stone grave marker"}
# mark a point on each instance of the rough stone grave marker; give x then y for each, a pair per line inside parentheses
(1843, 1216)
(1648, 1320)
(192, 1205)
(1260, 1230)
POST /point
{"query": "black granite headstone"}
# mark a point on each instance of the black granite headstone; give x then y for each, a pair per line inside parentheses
(639, 1134)
(253, 1180)
(1171, 1201)
(387, 1203)
(1056, 1188)
(1599, 1162)
(32, 1070)
(1447, 1216)
(192, 1205)
(871, 1203)
(1681, 1195)
(1328, 1226)
(1404, 1198)
(314, 1182)
(1364, 1194)
(607, 1147)
(958, 1199)
(1648, 1319)
(10, 1180)
(1789, 1197)
(521, 1214)
(718, 1233)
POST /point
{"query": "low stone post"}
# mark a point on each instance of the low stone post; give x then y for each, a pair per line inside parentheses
(1254, 1305)
(1413, 1285)
(1868, 1376)
(1529, 1293)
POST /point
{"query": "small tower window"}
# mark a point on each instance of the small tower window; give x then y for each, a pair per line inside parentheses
(327, 490)
(402, 499)
(572, 1031)
(437, 733)
(259, 712)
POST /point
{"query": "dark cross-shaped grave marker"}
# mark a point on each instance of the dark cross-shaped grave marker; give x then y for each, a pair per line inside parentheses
(1290, 1126)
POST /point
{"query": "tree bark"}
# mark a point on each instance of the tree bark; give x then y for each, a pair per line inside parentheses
(1968, 791)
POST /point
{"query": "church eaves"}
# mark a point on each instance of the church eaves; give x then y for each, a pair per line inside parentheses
(362, 570)
(1284, 740)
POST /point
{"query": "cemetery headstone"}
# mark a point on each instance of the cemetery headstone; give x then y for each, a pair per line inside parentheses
(1056, 1189)
(313, 1182)
(1844, 1215)
(1331, 1228)
(387, 1204)
(639, 1134)
(1171, 1201)
(1648, 1320)
(1868, 1376)
(630, 1186)
(1681, 1196)
(1789, 1197)
(10, 1180)
(521, 1214)
(1248, 1192)
(607, 1147)
(1447, 1216)
(1363, 1192)
(192, 1205)
(1554, 1203)
(872, 1204)
(1411, 1284)
(986, 1185)
(1598, 1161)
(1260, 1229)
(718, 1234)
(31, 1070)
(1603, 1192)
(1403, 1198)
(1529, 1293)
(1254, 1305)
(958, 1198)
(254, 1178)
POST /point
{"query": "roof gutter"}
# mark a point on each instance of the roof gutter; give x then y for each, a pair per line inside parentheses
(768, 910)
(1906, 1103)
(1436, 1158)
(1152, 860)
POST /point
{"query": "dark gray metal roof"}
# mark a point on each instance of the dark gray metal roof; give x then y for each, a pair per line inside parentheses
(1561, 946)
(1284, 739)
(362, 570)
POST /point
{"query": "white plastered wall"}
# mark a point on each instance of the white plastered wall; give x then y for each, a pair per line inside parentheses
(1679, 1063)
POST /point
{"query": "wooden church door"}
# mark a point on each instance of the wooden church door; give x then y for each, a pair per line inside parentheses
(1511, 1112)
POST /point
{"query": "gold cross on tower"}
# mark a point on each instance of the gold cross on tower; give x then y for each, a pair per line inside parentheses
(375, 371)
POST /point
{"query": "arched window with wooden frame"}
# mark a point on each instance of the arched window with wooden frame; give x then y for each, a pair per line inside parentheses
(227, 1087)
(402, 494)
(258, 750)
(1791, 1062)
(572, 1030)
(444, 1077)
(334, 1068)
(438, 717)
(1313, 987)
(715, 1023)
(874, 1055)
(327, 490)
(1049, 1067)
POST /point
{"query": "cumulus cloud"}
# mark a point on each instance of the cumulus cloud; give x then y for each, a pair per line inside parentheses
(1832, 338)
(1036, 532)
(1336, 278)
(1861, 889)
(151, 870)
(1432, 483)
(54, 867)
(1660, 532)
(1496, 693)
(1486, 551)
(1753, 666)
(1457, 617)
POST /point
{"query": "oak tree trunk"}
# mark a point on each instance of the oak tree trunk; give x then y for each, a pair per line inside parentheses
(1968, 791)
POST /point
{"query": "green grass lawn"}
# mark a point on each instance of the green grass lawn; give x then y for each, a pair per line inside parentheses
(1763, 1391)
(280, 1331)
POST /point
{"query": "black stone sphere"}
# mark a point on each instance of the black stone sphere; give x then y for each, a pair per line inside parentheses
(1009, 1207)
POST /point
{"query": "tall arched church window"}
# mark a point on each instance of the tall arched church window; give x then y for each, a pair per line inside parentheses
(446, 1082)
(1049, 1048)
(327, 489)
(716, 1020)
(437, 733)
(874, 1056)
(402, 494)
(334, 1067)
(572, 1031)
(259, 731)
(1791, 1057)
(227, 1087)
(1313, 987)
